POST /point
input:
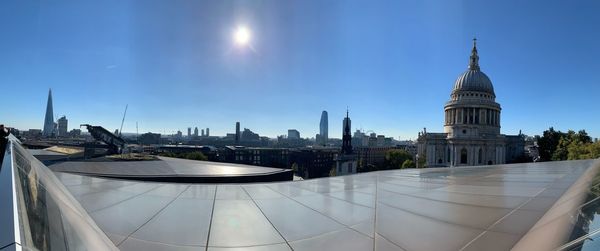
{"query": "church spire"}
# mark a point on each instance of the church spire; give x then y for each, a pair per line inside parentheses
(346, 136)
(474, 60)
(347, 123)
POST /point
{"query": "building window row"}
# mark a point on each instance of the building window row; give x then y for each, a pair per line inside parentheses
(456, 96)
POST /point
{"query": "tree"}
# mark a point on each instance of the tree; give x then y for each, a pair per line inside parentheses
(195, 156)
(395, 158)
(578, 150)
(573, 145)
(594, 149)
(556, 145)
(190, 155)
(408, 164)
(422, 161)
(561, 152)
(169, 154)
(583, 150)
(548, 142)
(583, 137)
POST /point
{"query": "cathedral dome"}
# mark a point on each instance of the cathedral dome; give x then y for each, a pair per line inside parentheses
(473, 80)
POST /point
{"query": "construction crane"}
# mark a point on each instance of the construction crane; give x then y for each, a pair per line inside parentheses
(122, 121)
(115, 143)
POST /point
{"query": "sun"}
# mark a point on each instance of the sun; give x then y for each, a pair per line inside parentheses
(241, 36)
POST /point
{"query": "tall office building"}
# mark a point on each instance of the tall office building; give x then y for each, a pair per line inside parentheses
(49, 119)
(62, 126)
(196, 131)
(207, 132)
(324, 129)
(189, 132)
(202, 133)
(293, 134)
(237, 132)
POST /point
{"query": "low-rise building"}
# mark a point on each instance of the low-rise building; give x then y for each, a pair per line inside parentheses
(372, 156)
(258, 156)
(313, 162)
(149, 138)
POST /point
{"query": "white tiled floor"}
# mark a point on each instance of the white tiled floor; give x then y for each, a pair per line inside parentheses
(476, 208)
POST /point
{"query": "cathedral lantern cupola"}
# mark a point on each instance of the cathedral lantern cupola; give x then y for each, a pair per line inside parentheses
(474, 62)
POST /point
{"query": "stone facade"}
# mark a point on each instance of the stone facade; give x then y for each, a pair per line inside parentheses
(472, 126)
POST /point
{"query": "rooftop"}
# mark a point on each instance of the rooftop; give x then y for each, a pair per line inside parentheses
(537, 206)
(171, 169)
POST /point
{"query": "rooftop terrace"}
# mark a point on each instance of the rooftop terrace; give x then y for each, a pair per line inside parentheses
(541, 206)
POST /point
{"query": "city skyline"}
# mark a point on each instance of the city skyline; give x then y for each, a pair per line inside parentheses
(395, 67)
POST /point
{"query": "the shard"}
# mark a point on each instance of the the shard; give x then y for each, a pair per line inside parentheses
(49, 119)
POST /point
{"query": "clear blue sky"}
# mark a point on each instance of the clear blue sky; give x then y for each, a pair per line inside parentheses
(393, 63)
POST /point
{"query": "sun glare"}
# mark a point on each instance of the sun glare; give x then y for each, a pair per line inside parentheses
(241, 36)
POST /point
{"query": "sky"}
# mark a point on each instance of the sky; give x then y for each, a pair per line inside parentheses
(391, 63)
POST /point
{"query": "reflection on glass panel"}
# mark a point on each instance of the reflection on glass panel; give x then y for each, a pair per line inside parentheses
(49, 217)
(586, 220)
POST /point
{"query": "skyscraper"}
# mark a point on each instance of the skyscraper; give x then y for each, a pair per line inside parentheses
(189, 132)
(202, 133)
(237, 132)
(62, 126)
(324, 128)
(207, 132)
(49, 119)
(196, 132)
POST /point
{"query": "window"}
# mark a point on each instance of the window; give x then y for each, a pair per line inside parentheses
(471, 115)
(463, 156)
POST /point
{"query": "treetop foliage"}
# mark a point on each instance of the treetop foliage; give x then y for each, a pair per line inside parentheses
(570, 145)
